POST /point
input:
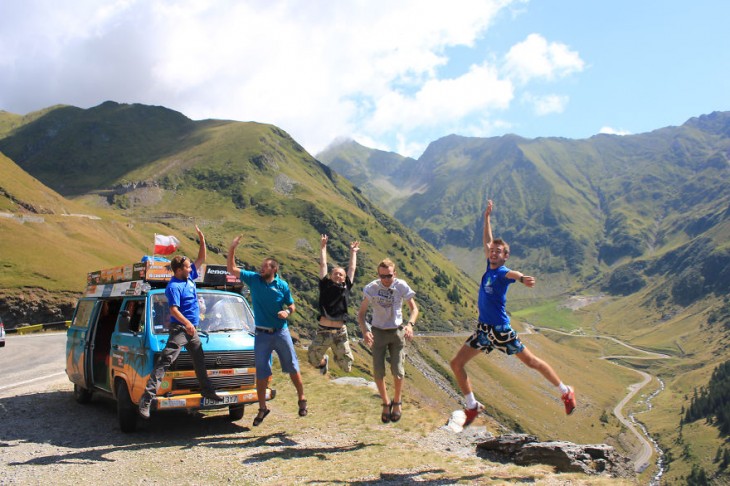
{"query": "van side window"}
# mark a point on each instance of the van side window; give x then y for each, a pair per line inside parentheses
(136, 321)
(160, 314)
(83, 313)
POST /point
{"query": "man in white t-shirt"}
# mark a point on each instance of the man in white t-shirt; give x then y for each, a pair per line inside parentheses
(385, 296)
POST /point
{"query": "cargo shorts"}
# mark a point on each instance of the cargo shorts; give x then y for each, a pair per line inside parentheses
(393, 342)
(337, 340)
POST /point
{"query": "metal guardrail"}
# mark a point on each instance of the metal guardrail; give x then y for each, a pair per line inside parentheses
(39, 327)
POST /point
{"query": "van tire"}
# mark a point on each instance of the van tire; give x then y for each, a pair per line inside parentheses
(81, 394)
(126, 411)
(235, 412)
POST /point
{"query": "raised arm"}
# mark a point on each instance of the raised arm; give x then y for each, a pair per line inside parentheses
(354, 248)
(202, 251)
(231, 259)
(323, 257)
(487, 237)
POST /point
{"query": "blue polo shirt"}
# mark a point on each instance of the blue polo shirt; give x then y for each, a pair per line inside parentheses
(183, 295)
(493, 297)
(268, 299)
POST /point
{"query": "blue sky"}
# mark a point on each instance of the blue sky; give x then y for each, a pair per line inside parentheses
(394, 75)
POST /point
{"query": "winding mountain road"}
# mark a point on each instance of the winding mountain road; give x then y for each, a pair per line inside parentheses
(641, 460)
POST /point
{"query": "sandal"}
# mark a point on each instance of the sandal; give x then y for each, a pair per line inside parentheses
(303, 408)
(395, 416)
(387, 408)
(263, 412)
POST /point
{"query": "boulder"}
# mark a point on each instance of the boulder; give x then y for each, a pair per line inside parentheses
(527, 450)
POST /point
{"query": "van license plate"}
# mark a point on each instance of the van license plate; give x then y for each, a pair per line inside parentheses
(227, 400)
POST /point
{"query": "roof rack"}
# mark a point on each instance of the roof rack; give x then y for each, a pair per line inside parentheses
(137, 278)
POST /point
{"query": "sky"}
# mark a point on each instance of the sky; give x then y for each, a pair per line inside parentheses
(391, 74)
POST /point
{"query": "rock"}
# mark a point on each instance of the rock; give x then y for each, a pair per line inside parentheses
(526, 450)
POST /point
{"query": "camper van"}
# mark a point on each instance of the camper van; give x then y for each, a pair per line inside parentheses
(121, 325)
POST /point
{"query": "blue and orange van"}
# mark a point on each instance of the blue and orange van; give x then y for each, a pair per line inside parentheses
(121, 324)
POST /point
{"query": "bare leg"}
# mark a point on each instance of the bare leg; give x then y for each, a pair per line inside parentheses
(538, 364)
(458, 363)
(296, 379)
(380, 383)
(397, 392)
(261, 386)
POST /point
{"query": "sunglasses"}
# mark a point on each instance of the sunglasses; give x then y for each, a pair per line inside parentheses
(385, 276)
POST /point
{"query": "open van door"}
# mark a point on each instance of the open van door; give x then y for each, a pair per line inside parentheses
(78, 342)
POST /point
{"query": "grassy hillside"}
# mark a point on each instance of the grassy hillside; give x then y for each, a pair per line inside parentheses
(230, 178)
(642, 220)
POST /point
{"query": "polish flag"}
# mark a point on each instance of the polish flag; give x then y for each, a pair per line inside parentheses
(165, 245)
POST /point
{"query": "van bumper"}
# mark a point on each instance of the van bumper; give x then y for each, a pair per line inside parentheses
(196, 400)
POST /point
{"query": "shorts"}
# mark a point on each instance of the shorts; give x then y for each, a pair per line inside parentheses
(335, 339)
(486, 338)
(393, 341)
(266, 343)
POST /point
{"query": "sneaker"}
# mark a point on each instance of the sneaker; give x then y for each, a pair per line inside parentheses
(326, 366)
(144, 409)
(569, 400)
(472, 413)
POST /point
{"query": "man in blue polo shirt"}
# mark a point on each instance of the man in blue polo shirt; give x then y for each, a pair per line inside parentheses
(182, 297)
(272, 305)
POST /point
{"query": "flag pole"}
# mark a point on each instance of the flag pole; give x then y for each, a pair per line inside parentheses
(153, 246)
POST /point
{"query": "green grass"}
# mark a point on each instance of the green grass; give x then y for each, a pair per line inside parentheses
(549, 314)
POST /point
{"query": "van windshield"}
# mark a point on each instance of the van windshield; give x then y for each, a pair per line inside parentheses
(218, 313)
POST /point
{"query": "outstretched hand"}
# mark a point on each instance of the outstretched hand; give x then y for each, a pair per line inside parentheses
(488, 211)
(323, 241)
(528, 281)
(355, 246)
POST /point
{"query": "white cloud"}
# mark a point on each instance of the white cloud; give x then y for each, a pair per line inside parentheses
(442, 101)
(613, 131)
(545, 105)
(316, 68)
(536, 58)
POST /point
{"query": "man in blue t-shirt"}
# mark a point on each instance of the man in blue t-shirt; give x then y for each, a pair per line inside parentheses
(182, 297)
(494, 330)
(272, 305)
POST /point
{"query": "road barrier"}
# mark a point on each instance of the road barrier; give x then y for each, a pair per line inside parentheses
(39, 327)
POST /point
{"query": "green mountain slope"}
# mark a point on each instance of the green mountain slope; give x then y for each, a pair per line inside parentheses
(145, 169)
(579, 206)
(382, 176)
(643, 220)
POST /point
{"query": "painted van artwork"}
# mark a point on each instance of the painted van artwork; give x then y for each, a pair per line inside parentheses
(121, 324)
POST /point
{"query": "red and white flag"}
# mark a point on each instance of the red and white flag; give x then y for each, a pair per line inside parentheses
(165, 245)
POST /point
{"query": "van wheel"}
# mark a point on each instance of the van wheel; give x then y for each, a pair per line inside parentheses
(235, 412)
(126, 411)
(81, 394)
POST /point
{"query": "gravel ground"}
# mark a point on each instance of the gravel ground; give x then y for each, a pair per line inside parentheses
(46, 437)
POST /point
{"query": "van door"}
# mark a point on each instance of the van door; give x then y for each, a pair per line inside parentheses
(128, 356)
(99, 355)
(78, 341)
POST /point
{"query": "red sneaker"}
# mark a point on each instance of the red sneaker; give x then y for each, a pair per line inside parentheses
(569, 400)
(472, 413)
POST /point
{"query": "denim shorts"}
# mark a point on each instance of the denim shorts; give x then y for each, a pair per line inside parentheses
(280, 342)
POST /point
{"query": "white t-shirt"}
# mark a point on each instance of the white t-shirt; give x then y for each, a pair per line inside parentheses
(387, 302)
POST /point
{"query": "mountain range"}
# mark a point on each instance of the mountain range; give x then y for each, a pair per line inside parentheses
(610, 211)
(636, 226)
(141, 170)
